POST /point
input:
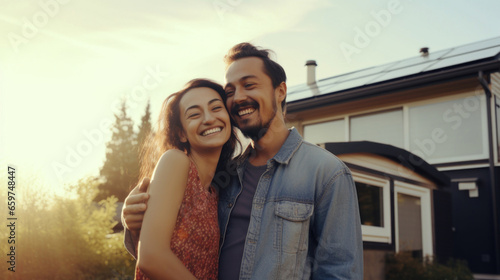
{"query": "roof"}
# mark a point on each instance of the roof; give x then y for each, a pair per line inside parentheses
(401, 156)
(445, 64)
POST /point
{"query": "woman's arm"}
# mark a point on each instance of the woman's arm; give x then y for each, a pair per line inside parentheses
(167, 187)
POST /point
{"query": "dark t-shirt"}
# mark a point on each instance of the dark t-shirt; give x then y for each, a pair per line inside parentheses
(236, 232)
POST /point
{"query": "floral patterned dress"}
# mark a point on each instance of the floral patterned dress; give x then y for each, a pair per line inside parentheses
(195, 240)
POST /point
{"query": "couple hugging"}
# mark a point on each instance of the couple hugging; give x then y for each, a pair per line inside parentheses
(283, 209)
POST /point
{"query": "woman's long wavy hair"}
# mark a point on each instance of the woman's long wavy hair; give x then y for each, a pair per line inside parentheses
(170, 127)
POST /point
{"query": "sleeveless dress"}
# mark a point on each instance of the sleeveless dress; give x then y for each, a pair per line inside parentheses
(195, 240)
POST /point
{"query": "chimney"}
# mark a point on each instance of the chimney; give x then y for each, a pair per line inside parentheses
(424, 51)
(311, 72)
(311, 76)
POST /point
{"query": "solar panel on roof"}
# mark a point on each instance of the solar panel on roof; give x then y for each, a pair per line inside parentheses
(464, 58)
(419, 59)
(411, 66)
(297, 89)
(353, 83)
(401, 72)
(329, 82)
(300, 95)
(368, 71)
(321, 84)
(474, 47)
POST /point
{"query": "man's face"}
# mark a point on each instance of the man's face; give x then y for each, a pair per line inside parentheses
(251, 98)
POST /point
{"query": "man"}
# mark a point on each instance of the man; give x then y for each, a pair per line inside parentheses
(290, 210)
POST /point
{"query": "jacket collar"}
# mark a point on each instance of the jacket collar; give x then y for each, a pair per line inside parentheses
(292, 143)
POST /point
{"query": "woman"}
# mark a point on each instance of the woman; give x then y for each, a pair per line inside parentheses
(180, 234)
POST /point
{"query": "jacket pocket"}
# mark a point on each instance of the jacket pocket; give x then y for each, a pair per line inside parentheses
(292, 226)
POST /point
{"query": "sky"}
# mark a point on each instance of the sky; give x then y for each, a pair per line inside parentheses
(65, 65)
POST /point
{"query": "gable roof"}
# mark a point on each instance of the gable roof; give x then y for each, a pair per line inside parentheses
(466, 60)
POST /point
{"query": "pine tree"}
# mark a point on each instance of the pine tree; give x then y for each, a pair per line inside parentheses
(121, 167)
(145, 127)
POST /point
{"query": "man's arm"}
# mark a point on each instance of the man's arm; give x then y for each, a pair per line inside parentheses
(337, 230)
(133, 214)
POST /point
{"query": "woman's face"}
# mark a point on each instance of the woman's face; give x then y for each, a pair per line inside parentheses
(204, 119)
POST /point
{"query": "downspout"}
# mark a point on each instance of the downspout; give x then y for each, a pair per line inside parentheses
(487, 91)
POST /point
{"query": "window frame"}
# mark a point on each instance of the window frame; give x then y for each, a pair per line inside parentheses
(371, 113)
(426, 214)
(345, 119)
(374, 233)
(405, 107)
(484, 126)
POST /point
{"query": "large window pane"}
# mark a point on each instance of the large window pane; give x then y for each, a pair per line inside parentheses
(318, 133)
(370, 201)
(449, 130)
(410, 224)
(385, 127)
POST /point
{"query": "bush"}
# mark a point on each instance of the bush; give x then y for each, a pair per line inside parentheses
(67, 237)
(404, 266)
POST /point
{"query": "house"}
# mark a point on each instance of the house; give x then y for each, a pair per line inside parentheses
(401, 201)
(422, 137)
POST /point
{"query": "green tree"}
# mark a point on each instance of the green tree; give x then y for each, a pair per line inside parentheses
(121, 167)
(145, 127)
(68, 237)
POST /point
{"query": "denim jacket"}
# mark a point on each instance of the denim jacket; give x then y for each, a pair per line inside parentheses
(305, 220)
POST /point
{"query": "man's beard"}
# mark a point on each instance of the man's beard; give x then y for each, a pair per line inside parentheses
(255, 132)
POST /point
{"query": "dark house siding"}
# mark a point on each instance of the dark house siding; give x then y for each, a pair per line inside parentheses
(443, 225)
(473, 221)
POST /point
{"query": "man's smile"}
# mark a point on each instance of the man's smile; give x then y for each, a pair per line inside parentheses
(246, 111)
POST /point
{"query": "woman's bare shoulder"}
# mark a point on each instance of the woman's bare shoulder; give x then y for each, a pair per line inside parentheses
(173, 161)
(175, 155)
(172, 165)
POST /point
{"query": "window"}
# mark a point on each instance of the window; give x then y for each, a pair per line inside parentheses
(439, 130)
(413, 219)
(374, 207)
(383, 127)
(450, 130)
(410, 225)
(332, 131)
(371, 204)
